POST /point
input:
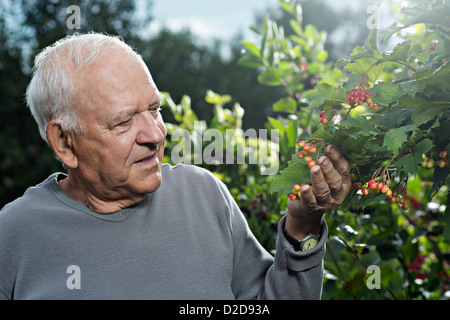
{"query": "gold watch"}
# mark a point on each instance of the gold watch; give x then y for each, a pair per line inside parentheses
(307, 243)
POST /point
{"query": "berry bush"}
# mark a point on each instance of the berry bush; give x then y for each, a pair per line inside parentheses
(388, 112)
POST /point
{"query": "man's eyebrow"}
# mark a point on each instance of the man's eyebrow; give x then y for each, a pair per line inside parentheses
(122, 116)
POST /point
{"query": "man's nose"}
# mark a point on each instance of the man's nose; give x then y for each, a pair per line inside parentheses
(151, 130)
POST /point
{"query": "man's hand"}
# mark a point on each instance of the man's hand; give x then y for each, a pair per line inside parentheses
(331, 184)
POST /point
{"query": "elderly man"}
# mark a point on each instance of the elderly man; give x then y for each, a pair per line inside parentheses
(122, 225)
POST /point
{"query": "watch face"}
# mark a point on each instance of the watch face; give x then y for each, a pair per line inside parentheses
(309, 244)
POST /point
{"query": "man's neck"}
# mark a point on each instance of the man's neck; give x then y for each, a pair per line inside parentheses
(76, 189)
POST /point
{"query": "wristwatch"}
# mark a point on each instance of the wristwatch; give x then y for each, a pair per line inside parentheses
(307, 243)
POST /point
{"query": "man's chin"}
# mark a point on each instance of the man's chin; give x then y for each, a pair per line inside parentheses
(150, 184)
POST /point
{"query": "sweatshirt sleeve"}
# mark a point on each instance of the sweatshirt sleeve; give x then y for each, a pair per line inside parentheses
(259, 275)
(295, 274)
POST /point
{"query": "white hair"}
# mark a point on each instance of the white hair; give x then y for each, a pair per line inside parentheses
(50, 94)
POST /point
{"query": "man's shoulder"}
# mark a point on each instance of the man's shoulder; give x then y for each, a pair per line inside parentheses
(190, 177)
(182, 171)
(28, 202)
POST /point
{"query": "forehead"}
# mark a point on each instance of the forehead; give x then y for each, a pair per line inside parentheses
(119, 79)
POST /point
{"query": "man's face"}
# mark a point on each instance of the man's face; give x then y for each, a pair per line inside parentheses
(120, 153)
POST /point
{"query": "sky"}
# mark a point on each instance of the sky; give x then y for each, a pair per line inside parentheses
(224, 19)
(209, 19)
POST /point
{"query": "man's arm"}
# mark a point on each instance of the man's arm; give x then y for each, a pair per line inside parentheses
(292, 274)
(331, 184)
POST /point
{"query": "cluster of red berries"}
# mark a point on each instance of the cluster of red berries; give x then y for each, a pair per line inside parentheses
(306, 152)
(295, 194)
(429, 162)
(359, 96)
(373, 187)
(323, 119)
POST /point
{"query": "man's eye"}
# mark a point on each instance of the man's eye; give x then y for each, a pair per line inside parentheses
(124, 123)
(155, 111)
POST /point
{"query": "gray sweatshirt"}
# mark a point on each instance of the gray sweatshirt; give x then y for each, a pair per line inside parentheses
(186, 240)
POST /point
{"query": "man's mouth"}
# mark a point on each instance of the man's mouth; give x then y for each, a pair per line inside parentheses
(144, 160)
(147, 160)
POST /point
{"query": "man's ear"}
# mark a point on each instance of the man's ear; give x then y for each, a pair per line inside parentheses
(61, 143)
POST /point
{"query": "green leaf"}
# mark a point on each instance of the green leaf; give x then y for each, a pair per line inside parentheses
(276, 124)
(270, 77)
(286, 104)
(400, 52)
(411, 161)
(365, 125)
(387, 33)
(392, 118)
(297, 172)
(325, 93)
(322, 56)
(425, 113)
(217, 99)
(372, 39)
(386, 93)
(296, 27)
(365, 62)
(252, 48)
(286, 6)
(291, 132)
(440, 78)
(250, 61)
(394, 138)
(318, 96)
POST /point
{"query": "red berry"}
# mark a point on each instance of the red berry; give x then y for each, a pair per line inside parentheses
(372, 184)
(292, 196)
(313, 149)
(441, 163)
(300, 155)
(322, 114)
(301, 144)
(357, 185)
(405, 206)
(379, 185)
(389, 192)
(365, 191)
(323, 120)
(311, 164)
(297, 187)
(384, 189)
(307, 147)
(443, 154)
(308, 158)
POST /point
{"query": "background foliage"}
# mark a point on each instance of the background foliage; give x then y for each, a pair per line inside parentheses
(299, 68)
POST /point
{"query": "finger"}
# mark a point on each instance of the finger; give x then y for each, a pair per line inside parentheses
(339, 162)
(308, 198)
(332, 177)
(321, 188)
